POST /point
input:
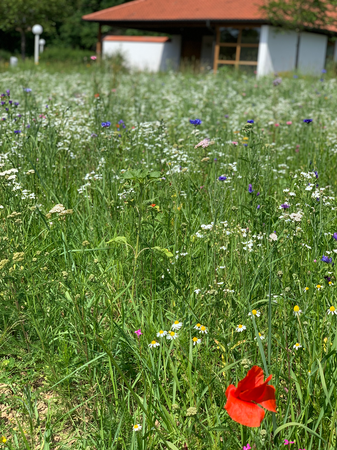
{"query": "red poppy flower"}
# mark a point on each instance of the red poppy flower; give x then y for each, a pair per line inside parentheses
(242, 402)
(153, 205)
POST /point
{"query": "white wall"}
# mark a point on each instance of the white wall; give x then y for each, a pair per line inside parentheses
(312, 53)
(152, 56)
(277, 51)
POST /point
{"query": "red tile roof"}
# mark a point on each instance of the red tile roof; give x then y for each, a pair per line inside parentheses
(137, 38)
(181, 10)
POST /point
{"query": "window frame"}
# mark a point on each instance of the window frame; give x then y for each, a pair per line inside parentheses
(238, 46)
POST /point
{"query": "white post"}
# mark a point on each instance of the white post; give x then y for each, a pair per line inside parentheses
(37, 30)
(42, 43)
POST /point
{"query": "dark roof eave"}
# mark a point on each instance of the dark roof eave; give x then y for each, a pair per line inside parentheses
(179, 21)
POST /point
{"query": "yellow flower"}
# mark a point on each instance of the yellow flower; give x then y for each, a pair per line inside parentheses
(318, 286)
(3, 439)
(306, 289)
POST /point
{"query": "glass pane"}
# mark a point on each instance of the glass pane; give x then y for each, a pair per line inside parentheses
(249, 53)
(330, 51)
(249, 70)
(250, 36)
(229, 35)
(227, 53)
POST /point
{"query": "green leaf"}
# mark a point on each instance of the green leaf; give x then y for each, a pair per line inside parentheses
(164, 251)
(172, 446)
(155, 175)
(295, 424)
(118, 240)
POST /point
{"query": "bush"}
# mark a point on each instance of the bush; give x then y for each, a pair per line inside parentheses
(76, 56)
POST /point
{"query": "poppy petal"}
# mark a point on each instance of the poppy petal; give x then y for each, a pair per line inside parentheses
(256, 394)
(253, 378)
(246, 413)
(269, 401)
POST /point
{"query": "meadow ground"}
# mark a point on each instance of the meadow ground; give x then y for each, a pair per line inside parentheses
(147, 263)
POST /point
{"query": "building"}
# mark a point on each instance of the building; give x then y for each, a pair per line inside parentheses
(214, 32)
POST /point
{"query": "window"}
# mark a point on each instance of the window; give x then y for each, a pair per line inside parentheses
(236, 46)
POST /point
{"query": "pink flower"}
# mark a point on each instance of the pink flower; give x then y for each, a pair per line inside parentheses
(204, 143)
(276, 124)
(138, 332)
(234, 143)
(315, 260)
(247, 447)
(93, 58)
(289, 122)
(286, 442)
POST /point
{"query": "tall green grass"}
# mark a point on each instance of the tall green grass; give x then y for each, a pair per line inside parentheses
(130, 253)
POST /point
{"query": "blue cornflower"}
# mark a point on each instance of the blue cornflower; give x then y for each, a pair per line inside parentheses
(326, 259)
(285, 206)
(3, 103)
(335, 236)
(106, 124)
(8, 92)
(323, 71)
(307, 120)
(258, 206)
(250, 121)
(195, 122)
(28, 126)
(17, 131)
(316, 173)
(16, 103)
(257, 194)
(223, 178)
(27, 90)
(250, 189)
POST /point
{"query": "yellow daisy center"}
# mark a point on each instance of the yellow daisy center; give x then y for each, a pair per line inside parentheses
(136, 427)
(176, 322)
(203, 328)
(306, 288)
(239, 326)
(195, 339)
(198, 325)
(296, 308)
(330, 283)
(297, 344)
(318, 286)
(254, 312)
(172, 333)
(332, 308)
(161, 332)
(260, 334)
(153, 342)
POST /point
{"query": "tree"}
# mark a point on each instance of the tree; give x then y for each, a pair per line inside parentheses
(298, 15)
(21, 15)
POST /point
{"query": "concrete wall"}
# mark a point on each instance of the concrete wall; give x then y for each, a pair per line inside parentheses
(312, 53)
(152, 56)
(277, 51)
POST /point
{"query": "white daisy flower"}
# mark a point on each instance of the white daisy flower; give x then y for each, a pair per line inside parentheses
(171, 335)
(137, 427)
(161, 333)
(197, 327)
(203, 329)
(254, 313)
(297, 311)
(332, 310)
(261, 337)
(154, 344)
(297, 346)
(196, 341)
(197, 291)
(240, 328)
(177, 325)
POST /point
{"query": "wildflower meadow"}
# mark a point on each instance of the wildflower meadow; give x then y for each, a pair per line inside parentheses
(168, 249)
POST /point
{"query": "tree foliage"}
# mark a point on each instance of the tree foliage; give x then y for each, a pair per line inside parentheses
(300, 14)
